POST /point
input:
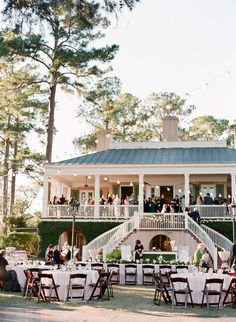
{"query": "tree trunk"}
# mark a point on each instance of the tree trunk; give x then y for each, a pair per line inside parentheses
(13, 178)
(3, 227)
(50, 130)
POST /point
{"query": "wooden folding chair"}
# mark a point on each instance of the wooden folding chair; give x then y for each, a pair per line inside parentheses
(181, 268)
(130, 274)
(213, 287)
(180, 286)
(98, 267)
(230, 293)
(115, 268)
(148, 271)
(47, 287)
(101, 287)
(161, 290)
(165, 271)
(77, 282)
(109, 281)
(31, 284)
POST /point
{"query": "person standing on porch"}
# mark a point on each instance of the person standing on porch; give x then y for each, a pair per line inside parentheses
(162, 202)
(208, 200)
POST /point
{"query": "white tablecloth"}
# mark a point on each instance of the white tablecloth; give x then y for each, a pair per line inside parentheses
(197, 283)
(19, 269)
(62, 278)
(140, 271)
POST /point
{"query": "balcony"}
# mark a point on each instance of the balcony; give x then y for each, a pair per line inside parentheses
(87, 212)
(124, 212)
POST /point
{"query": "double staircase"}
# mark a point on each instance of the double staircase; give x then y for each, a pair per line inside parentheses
(115, 237)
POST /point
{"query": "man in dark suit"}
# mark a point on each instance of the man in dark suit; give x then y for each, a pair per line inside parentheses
(208, 200)
(195, 216)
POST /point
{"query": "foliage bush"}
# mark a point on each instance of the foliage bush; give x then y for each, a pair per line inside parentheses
(21, 241)
(114, 255)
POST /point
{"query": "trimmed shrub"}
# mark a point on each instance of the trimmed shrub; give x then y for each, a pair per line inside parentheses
(21, 241)
(114, 255)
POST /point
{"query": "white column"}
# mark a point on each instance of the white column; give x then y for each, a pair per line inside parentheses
(140, 193)
(96, 195)
(45, 196)
(233, 188)
(186, 189)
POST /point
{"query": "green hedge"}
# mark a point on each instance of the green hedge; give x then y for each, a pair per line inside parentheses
(50, 231)
(223, 227)
(21, 241)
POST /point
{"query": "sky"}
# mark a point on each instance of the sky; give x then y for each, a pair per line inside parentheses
(182, 46)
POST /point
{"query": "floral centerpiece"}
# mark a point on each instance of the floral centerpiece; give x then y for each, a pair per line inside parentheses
(70, 265)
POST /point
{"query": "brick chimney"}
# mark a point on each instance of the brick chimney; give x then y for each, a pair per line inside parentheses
(104, 139)
(170, 128)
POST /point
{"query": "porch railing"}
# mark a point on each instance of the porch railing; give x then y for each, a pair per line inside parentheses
(109, 212)
(212, 211)
(123, 212)
(160, 221)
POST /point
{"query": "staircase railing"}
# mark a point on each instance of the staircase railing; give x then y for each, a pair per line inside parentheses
(220, 240)
(108, 240)
(203, 236)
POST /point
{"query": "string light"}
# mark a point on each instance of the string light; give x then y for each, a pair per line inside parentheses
(207, 83)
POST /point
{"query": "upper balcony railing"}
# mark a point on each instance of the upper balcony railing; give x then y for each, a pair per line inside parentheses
(105, 212)
(124, 212)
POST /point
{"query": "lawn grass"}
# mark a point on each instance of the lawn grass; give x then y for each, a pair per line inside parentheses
(135, 299)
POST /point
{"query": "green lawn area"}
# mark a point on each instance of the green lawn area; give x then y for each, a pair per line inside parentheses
(136, 299)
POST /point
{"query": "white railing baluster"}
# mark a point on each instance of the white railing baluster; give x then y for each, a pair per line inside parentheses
(220, 240)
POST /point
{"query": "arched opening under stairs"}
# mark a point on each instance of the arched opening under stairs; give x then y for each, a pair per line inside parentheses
(160, 243)
(79, 240)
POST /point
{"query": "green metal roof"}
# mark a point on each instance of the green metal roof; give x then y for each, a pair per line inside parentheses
(156, 156)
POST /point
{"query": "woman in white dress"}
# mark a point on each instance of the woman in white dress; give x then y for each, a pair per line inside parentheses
(126, 204)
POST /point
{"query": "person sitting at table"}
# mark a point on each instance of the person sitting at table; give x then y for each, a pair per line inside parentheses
(198, 254)
(8, 278)
(49, 254)
(205, 262)
(57, 256)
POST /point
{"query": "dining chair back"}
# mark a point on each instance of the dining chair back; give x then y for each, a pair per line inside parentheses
(165, 271)
(98, 267)
(180, 287)
(115, 268)
(131, 274)
(100, 288)
(213, 288)
(161, 290)
(77, 284)
(47, 288)
(230, 293)
(148, 271)
(31, 284)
